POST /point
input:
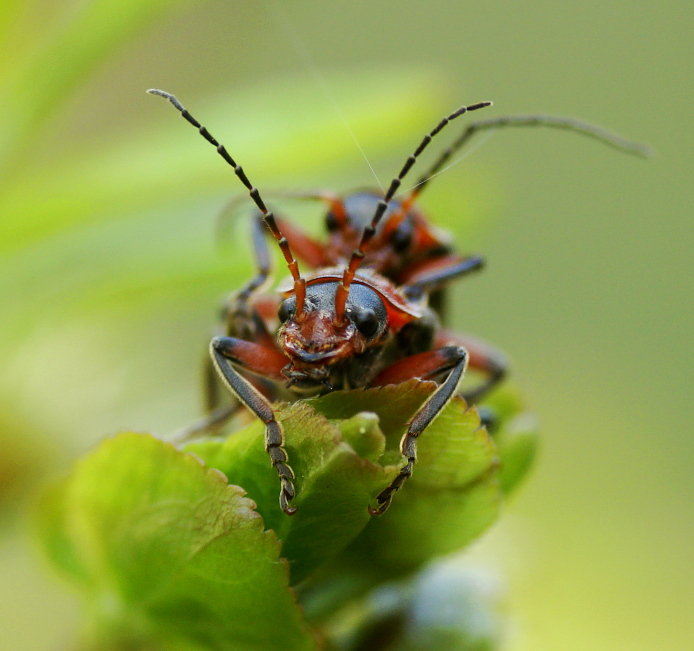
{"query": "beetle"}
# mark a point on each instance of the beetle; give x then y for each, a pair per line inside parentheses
(364, 316)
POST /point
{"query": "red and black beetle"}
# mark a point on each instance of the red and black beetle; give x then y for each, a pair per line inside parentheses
(367, 314)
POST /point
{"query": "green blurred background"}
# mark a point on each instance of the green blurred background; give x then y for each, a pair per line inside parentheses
(111, 272)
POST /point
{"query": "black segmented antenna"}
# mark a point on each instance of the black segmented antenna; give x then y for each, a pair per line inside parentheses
(370, 230)
(268, 217)
(567, 124)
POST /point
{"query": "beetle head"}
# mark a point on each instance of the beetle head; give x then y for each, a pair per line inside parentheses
(347, 219)
(315, 342)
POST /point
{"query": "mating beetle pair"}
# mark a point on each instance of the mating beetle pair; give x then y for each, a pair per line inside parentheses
(368, 313)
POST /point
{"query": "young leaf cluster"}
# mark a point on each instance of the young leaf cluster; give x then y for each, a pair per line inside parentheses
(188, 549)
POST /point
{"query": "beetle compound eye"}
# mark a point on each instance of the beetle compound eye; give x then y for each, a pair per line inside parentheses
(287, 309)
(331, 222)
(367, 311)
(366, 321)
(402, 238)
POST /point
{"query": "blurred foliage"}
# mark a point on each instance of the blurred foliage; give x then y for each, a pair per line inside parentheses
(168, 556)
(52, 51)
(447, 606)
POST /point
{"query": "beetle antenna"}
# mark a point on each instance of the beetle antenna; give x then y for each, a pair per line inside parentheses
(370, 230)
(580, 127)
(268, 217)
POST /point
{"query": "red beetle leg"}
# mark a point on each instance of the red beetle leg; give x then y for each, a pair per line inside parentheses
(336, 205)
(220, 411)
(483, 358)
(425, 366)
(252, 357)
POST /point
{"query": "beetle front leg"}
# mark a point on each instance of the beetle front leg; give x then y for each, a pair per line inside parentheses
(240, 319)
(452, 360)
(226, 351)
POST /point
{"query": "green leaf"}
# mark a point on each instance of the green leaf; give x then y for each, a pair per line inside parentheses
(334, 484)
(363, 434)
(516, 438)
(517, 442)
(452, 496)
(168, 553)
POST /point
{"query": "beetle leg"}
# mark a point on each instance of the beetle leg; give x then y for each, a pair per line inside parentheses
(239, 317)
(226, 351)
(436, 273)
(432, 276)
(208, 423)
(309, 250)
(213, 396)
(244, 317)
(483, 357)
(451, 360)
(210, 385)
